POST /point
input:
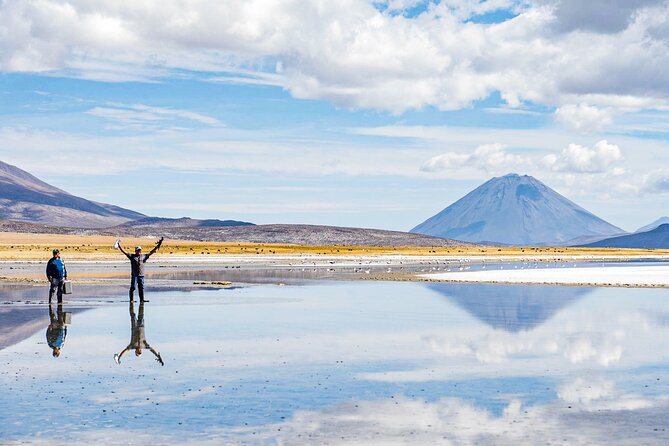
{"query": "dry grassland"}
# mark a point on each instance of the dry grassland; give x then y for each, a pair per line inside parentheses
(18, 246)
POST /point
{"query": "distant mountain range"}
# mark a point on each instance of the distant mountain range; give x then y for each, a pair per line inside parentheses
(24, 197)
(653, 225)
(314, 235)
(184, 222)
(515, 210)
(246, 233)
(657, 238)
(508, 210)
(30, 205)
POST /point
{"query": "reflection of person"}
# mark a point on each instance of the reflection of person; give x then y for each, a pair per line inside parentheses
(137, 261)
(137, 335)
(56, 331)
(57, 274)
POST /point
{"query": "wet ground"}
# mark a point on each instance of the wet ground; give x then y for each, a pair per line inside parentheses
(344, 362)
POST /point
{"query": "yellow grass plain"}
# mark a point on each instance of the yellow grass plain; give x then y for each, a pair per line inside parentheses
(24, 246)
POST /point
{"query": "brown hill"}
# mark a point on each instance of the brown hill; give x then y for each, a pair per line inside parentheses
(24, 197)
(310, 235)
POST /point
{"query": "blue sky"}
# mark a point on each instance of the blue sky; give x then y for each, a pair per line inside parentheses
(354, 113)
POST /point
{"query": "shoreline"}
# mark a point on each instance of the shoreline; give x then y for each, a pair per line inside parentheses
(572, 270)
(628, 276)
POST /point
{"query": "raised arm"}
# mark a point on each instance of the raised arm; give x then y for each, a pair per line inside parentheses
(157, 247)
(120, 248)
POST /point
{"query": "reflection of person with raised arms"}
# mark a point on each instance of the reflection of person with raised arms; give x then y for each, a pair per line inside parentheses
(137, 335)
(137, 261)
(56, 331)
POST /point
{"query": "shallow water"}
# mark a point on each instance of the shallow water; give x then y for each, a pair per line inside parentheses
(345, 363)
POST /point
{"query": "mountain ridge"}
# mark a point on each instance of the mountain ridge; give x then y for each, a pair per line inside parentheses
(653, 225)
(657, 238)
(24, 197)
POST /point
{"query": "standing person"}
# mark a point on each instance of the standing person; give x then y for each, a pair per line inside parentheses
(137, 261)
(137, 335)
(57, 330)
(57, 274)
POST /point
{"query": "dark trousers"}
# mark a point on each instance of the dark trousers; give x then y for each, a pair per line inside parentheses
(137, 282)
(56, 287)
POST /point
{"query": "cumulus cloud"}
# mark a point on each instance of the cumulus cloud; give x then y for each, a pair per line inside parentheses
(656, 181)
(600, 16)
(355, 54)
(498, 347)
(577, 158)
(584, 118)
(584, 391)
(496, 158)
(491, 158)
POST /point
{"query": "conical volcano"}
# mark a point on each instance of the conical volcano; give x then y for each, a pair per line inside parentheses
(515, 210)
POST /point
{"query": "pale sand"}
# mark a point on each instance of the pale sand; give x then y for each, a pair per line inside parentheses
(636, 276)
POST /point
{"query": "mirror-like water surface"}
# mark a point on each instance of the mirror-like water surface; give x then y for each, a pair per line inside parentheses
(341, 363)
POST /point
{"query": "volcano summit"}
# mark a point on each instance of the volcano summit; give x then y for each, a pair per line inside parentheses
(515, 210)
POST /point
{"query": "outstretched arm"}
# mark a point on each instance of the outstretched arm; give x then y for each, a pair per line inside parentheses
(121, 249)
(157, 247)
(157, 354)
(117, 357)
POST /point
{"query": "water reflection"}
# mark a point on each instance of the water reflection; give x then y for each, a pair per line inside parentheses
(137, 335)
(512, 308)
(56, 332)
(354, 363)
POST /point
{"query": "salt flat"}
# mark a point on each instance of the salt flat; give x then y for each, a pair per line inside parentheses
(638, 276)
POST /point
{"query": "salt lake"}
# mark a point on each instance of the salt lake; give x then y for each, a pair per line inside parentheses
(346, 362)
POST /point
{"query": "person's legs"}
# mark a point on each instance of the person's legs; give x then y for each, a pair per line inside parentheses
(133, 279)
(61, 287)
(140, 287)
(53, 286)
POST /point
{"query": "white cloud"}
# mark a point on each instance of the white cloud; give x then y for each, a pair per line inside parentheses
(351, 53)
(573, 15)
(144, 117)
(207, 149)
(576, 158)
(584, 118)
(586, 390)
(492, 158)
(401, 420)
(656, 181)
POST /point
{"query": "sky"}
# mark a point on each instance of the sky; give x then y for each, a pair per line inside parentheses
(367, 113)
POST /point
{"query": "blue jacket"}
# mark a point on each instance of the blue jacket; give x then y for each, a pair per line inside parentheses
(56, 268)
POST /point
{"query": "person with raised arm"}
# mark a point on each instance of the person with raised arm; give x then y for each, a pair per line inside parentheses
(137, 261)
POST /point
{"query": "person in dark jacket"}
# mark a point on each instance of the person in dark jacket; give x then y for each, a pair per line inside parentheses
(57, 330)
(137, 261)
(56, 273)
